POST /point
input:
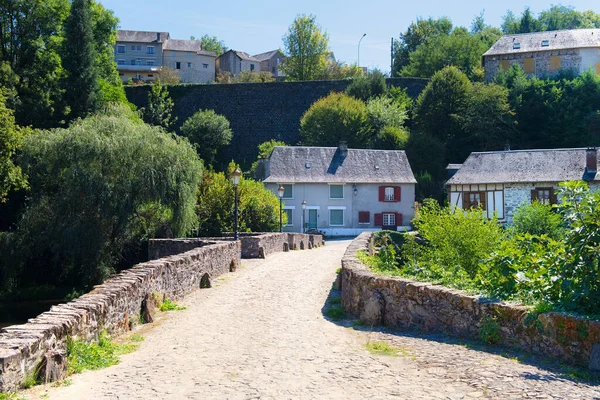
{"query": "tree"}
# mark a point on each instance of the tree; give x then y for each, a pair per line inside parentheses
(211, 43)
(12, 138)
(209, 131)
(258, 206)
(264, 151)
(338, 70)
(367, 86)
(306, 47)
(337, 117)
(79, 60)
(169, 76)
(159, 108)
(386, 123)
(245, 77)
(96, 187)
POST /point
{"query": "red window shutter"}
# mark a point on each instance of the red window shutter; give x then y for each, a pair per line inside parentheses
(483, 200)
(381, 193)
(398, 219)
(397, 193)
(379, 219)
(364, 217)
(466, 200)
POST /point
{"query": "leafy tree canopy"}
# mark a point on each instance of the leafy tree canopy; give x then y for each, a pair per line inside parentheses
(306, 47)
(160, 107)
(212, 43)
(209, 132)
(367, 86)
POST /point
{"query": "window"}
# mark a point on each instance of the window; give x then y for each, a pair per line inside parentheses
(205, 66)
(529, 65)
(364, 217)
(149, 49)
(544, 195)
(139, 48)
(389, 194)
(120, 62)
(545, 43)
(336, 217)
(288, 193)
(290, 216)
(474, 200)
(177, 65)
(150, 76)
(555, 63)
(336, 191)
(251, 67)
(120, 49)
(138, 62)
(132, 62)
(516, 46)
(189, 65)
(133, 48)
(504, 64)
(389, 219)
(149, 62)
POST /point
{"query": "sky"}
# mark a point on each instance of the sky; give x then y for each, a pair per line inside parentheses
(258, 26)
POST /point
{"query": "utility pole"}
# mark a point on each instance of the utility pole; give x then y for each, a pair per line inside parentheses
(392, 60)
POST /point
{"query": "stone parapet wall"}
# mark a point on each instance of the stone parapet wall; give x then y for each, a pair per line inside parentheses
(404, 303)
(114, 306)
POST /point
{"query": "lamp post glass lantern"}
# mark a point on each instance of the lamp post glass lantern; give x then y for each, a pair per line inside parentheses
(280, 192)
(304, 216)
(235, 181)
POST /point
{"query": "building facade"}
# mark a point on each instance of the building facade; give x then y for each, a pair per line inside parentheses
(140, 56)
(344, 191)
(545, 54)
(271, 62)
(234, 62)
(502, 181)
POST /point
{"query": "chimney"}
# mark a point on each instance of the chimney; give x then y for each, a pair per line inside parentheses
(591, 160)
(343, 148)
(158, 37)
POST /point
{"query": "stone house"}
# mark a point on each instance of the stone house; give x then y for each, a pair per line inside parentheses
(271, 61)
(543, 54)
(347, 191)
(234, 62)
(501, 181)
(140, 55)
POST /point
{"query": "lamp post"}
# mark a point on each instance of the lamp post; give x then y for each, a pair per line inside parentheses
(358, 61)
(235, 180)
(280, 192)
(304, 216)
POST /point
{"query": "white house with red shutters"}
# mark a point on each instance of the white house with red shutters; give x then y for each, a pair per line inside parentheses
(344, 191)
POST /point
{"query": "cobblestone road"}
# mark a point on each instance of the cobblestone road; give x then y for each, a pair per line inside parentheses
(260, 333)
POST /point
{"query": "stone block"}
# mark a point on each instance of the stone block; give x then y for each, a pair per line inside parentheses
(148, 308)
(56, 365)
(373, 310)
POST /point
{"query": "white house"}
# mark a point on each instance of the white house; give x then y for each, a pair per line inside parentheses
(501, 181)
(346, 191)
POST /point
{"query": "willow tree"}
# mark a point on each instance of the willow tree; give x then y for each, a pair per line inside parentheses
(306, 49)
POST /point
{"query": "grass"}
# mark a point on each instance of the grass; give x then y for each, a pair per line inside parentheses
(386, 349)
(10, 396)
(169, 305)
(63, 383)
(136, 337)
(92, 356)
(338, 271)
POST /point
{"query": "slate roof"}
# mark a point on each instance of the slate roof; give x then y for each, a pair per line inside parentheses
(557, 40)
(524, 166)
(187, 45)
(266, 56)
(296, 164)
(245, 56)
(141, 36)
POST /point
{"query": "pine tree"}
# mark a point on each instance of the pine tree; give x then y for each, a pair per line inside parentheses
(81, 84)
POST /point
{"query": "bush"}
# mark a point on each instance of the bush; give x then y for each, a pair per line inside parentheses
(93, 186)
(209, 132)
(335, 118)
(367, 86)
(538, 219)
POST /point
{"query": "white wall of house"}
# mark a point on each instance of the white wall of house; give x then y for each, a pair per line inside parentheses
(251, 66)
(192, 67)
(317, 197)
(590, 58)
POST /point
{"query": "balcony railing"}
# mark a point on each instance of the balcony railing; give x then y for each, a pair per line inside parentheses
(139, 68)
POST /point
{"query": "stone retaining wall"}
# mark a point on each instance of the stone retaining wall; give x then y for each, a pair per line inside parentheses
(376, 299)
(39, 346)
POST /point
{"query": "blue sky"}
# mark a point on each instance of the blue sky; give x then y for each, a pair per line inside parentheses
(258, 26)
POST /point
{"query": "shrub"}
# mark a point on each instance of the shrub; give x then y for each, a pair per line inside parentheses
(367, 86)
(159, 108)
(335, 118)
(209, 132)
(90, 187)
(538, 219)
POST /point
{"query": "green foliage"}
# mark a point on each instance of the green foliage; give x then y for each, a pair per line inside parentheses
(338, 70)
(264, 151)
(245, 77)
(159, 108)
(386, 123)
(212, 43)
(306, 47)
(335, 118)
(168, 305)
(427, 187)
(10, 396)
(258, 206)
(82, 355)
(367, 86)
(209, 132)
(90, 185)
(538, 219)
(557, 17)
(489, 330)
(12, 138)
(382, 348)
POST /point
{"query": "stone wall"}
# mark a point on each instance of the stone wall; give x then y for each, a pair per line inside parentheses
(115, 306)
(570, 61)
(257, 111)
(405, 303)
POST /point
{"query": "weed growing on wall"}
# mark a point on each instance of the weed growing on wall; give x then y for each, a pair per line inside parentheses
(168, 305)
(92, 356)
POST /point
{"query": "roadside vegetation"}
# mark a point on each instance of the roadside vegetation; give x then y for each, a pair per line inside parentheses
(556, 269)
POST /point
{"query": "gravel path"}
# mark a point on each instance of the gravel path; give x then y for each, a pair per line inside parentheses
(260, 333)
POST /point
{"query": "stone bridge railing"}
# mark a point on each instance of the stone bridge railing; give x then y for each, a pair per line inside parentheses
(405, 303)
(177, 268)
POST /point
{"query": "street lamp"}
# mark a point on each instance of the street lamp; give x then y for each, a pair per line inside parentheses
(235, 180)
(361, 38)
(280, 192)
(304, 215)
